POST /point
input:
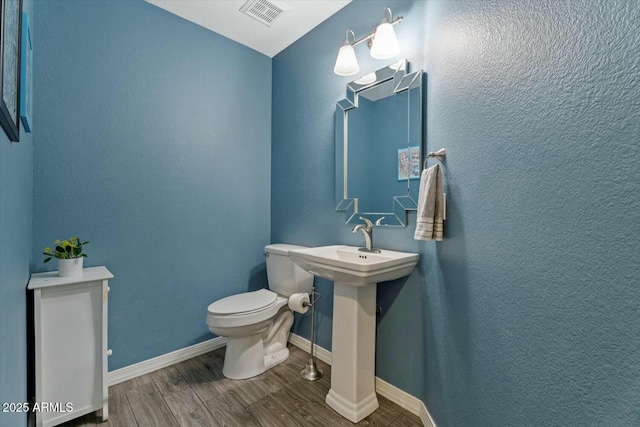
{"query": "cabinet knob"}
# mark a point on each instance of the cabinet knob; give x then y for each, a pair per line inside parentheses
(108, 289)
(109, 352)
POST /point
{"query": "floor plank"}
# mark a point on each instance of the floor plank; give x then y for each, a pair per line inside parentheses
(289, 399)
(213, 362)
(149, 408)
(316, 415)
(120, 412)
(199, 378)
(386, 414)
(228, 409)
(169, 380)
(407, 420)
(271, 414)
(137, 382)
(189, 410)
(316, 390)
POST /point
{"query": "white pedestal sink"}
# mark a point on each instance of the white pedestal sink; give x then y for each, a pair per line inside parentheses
(355, 275)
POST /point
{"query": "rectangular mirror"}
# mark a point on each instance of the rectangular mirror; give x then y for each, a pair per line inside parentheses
(379, 148)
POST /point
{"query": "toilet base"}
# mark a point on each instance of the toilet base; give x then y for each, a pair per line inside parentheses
(275, 359)
(245, 358)
(251, 355)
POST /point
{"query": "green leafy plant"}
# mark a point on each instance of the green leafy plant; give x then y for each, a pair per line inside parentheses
(65, 249)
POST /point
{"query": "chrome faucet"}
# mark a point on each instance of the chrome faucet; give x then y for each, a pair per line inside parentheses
(367, 230)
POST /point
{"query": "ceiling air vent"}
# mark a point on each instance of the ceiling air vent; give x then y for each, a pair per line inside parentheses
(263, 10)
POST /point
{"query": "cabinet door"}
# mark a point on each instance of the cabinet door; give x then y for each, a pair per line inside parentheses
(71, 354)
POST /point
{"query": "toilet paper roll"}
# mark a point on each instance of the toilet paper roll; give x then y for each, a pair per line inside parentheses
(297, 302)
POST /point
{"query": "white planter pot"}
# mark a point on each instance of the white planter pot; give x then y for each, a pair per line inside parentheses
(70, 267)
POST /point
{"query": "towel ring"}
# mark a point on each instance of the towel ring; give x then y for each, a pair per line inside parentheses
(440, 155)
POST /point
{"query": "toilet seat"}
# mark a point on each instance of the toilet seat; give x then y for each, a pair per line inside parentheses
(244, 309)
(246, 302)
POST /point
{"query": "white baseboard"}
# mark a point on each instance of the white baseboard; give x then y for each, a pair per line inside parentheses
(383, 388)
(397, 396)
(425, 416)
(147, 366)
(305, 345)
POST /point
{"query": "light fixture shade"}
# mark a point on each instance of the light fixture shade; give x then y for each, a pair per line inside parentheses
(385, 43)
(346, 64)
(366, 79)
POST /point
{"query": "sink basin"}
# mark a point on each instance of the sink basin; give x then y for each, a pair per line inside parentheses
(349, 266)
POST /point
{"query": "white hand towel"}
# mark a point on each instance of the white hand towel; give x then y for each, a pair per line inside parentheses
(430, 205)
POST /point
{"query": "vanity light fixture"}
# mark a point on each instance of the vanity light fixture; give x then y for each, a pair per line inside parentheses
(347, 64)
(382, 41)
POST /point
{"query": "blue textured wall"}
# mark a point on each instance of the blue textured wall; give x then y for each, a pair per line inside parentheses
(527, 313)
(152, 142)
(16, 210)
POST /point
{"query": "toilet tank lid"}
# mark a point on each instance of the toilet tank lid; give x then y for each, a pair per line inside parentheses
(243, 303)
(281, 248)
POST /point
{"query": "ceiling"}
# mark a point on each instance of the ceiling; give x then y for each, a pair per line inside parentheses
(224, 17)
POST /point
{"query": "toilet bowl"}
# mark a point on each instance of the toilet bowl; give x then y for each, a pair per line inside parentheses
(257, 324)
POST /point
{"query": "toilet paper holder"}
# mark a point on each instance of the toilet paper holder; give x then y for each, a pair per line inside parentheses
(311, 372)
(315, 296)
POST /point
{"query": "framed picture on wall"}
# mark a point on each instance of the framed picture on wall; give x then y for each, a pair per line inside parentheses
(10, 19)
(409, 163)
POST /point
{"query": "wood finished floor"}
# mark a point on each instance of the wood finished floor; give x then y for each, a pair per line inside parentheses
(195, 393)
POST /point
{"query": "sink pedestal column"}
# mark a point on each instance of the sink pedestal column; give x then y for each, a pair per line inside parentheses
(353, 349)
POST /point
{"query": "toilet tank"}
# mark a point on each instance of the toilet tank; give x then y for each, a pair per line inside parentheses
(285, 277)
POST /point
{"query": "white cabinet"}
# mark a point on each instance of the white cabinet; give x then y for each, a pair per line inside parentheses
(70, 325)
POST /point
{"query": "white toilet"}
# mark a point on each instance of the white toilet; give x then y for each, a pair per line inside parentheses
(257, 323)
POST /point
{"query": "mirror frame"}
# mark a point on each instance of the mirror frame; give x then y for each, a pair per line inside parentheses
(402, 81)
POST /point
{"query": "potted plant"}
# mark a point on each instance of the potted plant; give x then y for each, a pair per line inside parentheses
(69, 254)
